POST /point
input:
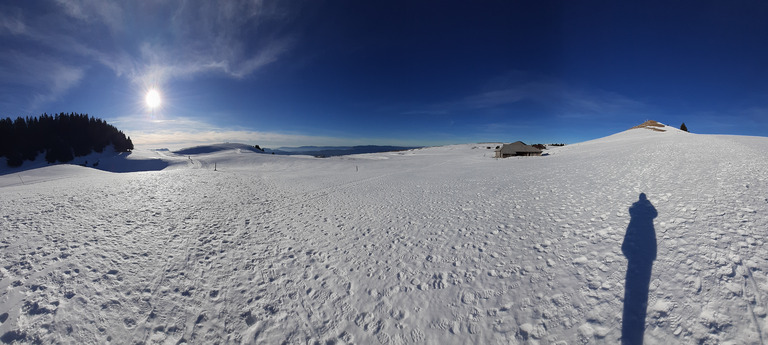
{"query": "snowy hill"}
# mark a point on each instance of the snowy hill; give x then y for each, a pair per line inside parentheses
(329, 151)
(435, 245)
(217, 148)
(107, 160)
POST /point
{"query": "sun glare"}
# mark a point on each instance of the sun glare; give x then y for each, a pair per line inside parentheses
(153, 99)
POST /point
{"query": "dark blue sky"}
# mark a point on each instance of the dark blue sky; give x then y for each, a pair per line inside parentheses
(289, 73)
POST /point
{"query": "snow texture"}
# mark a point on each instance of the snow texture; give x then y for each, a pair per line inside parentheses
(442, 245)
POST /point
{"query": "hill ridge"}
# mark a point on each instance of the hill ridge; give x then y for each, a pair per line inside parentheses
(652, 125)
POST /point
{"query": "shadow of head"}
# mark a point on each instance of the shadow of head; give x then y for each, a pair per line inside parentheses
(640, 249)
(640, 238)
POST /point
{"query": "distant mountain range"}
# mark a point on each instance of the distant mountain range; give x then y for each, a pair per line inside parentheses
(317, 151)
(329, 151)
(204, 149)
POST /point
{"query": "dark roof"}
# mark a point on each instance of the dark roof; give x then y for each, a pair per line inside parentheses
(517, 146)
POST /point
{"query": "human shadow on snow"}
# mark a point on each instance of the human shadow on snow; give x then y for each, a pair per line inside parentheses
(639, 248)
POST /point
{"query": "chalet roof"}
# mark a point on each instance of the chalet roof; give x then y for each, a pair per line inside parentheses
(517, 146)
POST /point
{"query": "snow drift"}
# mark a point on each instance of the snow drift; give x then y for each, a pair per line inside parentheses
(436, 245)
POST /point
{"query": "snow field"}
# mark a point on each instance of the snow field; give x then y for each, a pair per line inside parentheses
(431, 246)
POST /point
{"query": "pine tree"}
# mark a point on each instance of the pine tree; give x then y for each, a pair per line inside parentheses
(683, 128)
(62, 137)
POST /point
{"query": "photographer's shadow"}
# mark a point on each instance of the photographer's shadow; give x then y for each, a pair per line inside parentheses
(640, 249)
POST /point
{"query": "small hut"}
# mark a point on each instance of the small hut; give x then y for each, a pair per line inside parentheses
(517, 148)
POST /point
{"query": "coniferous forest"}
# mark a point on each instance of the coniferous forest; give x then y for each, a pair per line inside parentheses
(61, 137)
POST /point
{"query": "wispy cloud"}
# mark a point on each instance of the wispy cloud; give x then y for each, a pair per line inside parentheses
(752, 120)
(559, 98)
(149, 42)
(182, 132)
(175, 139)
(538, 91)
(106, 12)
(11, 22)
(757, 113)
(234, 38)
(592, 102)
(46, 78)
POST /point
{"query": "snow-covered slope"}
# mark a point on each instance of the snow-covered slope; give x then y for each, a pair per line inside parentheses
(217, 148)
(436, 245)
(107, 160)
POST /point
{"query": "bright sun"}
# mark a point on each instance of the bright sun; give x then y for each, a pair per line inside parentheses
(153, 99)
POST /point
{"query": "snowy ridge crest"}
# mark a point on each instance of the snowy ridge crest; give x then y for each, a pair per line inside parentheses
(652, 125)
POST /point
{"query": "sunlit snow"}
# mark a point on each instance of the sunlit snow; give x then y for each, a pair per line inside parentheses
(442, 245)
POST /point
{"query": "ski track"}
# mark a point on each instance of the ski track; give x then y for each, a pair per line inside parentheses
(431, 246)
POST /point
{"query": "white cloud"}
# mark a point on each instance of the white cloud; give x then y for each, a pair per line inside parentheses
(153, 42)
(174, 139)
(60, 78)
(106, 12)
(179, 133)
(162, 64)
(229, 37)
(48, 78)
(12, 24)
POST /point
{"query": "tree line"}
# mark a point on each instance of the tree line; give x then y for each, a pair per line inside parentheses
(61, 137)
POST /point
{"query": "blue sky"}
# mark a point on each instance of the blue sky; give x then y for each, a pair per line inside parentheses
(290, 73)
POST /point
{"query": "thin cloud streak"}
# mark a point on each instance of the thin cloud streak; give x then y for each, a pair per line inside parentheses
(537, 91)
(199, 38)
(558, 97)
(106, 12)
(181, 132)
(213, 37)
(39, 73)
(181, 139)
